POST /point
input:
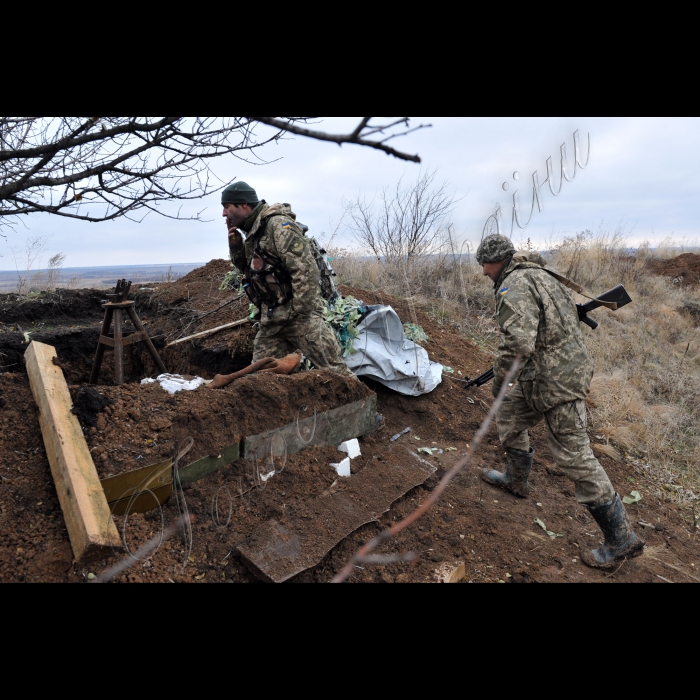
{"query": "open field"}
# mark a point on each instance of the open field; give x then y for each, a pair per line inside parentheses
(97, 277)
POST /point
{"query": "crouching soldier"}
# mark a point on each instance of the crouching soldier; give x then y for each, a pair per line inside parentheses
(539, 320)
(282, 279)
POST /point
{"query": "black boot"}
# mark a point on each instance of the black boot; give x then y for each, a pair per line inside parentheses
(517, 472)
(620, 540)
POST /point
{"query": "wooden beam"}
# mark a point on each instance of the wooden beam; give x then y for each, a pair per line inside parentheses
(88, 519)
(210, 332)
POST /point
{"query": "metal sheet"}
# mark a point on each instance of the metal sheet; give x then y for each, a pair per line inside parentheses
(149, 487)
(204, 467)
(126, 485)
(281, 549)
(144, 502)
(329, 428)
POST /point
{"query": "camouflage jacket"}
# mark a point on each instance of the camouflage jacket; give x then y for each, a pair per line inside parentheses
(539, 320)
(284, 239)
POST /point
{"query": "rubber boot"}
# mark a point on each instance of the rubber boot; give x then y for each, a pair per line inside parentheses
(519, 465)
(620, 540)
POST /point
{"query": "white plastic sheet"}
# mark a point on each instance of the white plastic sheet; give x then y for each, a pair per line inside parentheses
(172, 383)
(385, 354)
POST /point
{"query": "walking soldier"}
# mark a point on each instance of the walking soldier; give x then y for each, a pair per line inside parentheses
(539, 320)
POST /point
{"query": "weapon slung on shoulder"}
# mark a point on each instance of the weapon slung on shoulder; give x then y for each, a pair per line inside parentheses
(618, 296)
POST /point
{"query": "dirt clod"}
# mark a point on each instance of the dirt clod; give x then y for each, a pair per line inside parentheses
(88, 404)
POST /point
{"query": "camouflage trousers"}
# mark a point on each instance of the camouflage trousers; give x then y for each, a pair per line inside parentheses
(568, 440)
(306, 334)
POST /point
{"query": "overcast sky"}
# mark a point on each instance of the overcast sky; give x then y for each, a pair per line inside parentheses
(643, 174)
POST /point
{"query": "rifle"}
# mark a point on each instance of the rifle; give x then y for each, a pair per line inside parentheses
(617, 296)
(614, 299)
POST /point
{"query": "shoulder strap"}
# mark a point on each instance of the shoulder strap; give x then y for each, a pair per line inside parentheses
(579, 289)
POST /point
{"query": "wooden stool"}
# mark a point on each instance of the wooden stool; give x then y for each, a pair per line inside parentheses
(114, 311)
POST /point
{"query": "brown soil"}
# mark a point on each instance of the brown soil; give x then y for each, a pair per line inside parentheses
(144, 424)
(685, 269)
(492, 532)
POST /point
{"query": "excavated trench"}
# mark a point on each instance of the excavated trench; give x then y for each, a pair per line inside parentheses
(71, 323)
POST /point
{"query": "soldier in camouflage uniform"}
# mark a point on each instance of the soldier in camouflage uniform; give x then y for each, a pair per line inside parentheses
(539, 320)
(282, 278)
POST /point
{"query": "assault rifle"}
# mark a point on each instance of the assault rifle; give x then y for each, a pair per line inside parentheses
(618, 297)
(614, 299)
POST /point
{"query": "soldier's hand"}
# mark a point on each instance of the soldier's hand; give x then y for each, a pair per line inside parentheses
(234, 236)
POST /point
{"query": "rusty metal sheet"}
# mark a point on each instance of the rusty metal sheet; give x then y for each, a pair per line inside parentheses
(281, 549)
(329, 428)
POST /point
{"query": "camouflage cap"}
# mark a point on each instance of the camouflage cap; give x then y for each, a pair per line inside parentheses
(493, 249)
(239, 193)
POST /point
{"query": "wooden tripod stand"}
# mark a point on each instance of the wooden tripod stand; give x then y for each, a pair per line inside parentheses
(114, 311)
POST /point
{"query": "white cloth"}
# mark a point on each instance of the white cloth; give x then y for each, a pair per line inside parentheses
(172, 383)
(385, 354)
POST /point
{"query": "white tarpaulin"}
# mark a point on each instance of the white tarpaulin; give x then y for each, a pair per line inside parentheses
(385, 354)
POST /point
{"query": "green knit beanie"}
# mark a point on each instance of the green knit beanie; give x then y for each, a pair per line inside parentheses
(239, 193)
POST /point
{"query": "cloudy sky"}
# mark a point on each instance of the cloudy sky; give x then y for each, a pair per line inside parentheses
(643, 174)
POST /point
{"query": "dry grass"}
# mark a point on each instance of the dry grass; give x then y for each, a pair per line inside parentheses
(645, 398)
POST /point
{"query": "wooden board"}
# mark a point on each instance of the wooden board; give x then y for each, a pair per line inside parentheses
(280, 550)
(330, 428)
(85, 509)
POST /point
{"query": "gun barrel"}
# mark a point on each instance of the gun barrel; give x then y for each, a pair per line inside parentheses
(485, 378)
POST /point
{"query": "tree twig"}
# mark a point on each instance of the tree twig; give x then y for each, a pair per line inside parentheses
(358, 136)
(442, 486)
(142, 554)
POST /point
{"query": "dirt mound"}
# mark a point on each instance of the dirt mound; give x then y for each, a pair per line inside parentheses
(71, 322)
(143, 425)
(50, 309)
(493, 533)
(199, 285)
(685, 269)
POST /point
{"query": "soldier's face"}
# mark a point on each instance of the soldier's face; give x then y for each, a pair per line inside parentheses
(493, 270)
(236, 214)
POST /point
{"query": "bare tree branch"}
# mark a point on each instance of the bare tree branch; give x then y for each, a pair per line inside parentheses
(364, 554)
(408, 221)
(102, 168)
(360, 136)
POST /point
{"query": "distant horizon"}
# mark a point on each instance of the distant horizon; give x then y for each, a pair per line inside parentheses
(113, 267)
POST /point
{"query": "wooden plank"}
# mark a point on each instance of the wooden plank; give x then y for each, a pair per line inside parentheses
(85, 509)
(128, 340)
(203, 334)
(204, 467)
(282, 549)
(330, 428)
